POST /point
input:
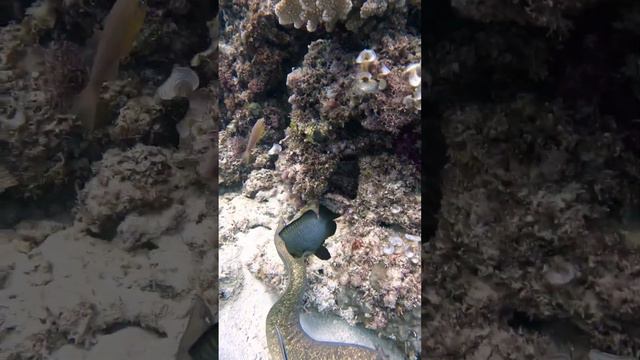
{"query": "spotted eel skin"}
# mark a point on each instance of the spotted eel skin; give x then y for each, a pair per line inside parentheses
(284, 318)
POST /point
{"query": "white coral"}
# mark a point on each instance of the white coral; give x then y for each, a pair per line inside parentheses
(311, 12)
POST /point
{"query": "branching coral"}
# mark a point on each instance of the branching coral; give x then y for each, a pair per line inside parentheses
(311, 13)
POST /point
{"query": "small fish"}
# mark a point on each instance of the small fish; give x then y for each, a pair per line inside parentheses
(121, 28)
(306, 234)
(257, 132)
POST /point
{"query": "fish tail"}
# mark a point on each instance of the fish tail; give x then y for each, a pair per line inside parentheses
(85, 106)
(245, 156)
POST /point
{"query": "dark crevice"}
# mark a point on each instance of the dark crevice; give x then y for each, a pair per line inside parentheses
(50, 204)
(440, 22)
(109, 228)
(434, 158)
(148, 245)
(344, 180)
(562, 331)
(165, 131)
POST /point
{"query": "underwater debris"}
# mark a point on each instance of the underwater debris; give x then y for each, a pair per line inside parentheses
(122, 25)
(181, 83)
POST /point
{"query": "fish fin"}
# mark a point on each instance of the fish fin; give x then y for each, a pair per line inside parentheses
(245, 156)
(380, 354)
(325, 212)
(280, 226)
(315, 207)
(322, 253)
(283, 350)
(198, 323)
(85, 107)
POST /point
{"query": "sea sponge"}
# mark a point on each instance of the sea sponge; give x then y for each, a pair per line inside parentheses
(311, 12)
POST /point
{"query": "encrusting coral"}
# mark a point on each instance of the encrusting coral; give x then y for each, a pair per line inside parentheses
(137, 180)
(531, 225)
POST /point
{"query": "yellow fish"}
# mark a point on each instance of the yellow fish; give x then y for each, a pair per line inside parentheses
(121, 28)
(257, 132)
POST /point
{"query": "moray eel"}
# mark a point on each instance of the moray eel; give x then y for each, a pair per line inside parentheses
(285, 337)
(200, 339)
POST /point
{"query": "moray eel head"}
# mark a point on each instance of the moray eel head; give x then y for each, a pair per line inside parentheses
(307, 232)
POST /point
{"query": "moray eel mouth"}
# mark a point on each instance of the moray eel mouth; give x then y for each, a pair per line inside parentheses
(286, 339)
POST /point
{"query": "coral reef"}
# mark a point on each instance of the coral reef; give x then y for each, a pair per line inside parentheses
(338, 130)
(388, 192)
(142, 178)
(327, 97)
(310, 13)
(541, 183)
(381, 292)
(354, 14)
(43, 69)
(133, 182)
(39, 145)
(543, 193)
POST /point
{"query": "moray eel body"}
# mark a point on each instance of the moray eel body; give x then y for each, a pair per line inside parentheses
(200, 339)
(285, 337)
(206, 348)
